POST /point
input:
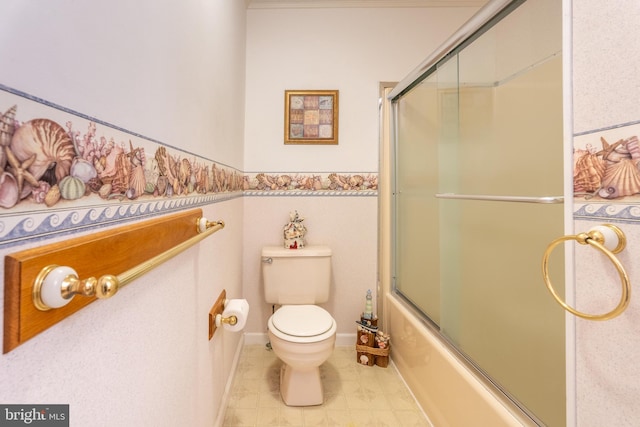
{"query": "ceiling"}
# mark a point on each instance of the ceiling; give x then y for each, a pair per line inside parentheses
(301, 4)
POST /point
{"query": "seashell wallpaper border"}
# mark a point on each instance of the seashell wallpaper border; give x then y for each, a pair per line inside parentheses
(64, 172)
(606, 174)
(311, 184)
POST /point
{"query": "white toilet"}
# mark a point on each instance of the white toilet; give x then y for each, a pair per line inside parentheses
(302, 334)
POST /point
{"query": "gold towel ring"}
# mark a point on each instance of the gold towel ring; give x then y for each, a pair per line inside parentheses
(596, 238)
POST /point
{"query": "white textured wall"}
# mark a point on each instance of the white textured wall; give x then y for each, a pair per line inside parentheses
(606, 63)
(346, 224)
(606, 89)
(172, 71)
(351, 50)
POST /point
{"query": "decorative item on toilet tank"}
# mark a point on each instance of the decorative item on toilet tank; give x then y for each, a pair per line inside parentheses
(294, 232)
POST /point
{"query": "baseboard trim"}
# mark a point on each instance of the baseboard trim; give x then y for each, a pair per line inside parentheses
(226, 396)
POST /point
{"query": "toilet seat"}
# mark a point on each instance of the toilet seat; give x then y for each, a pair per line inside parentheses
(302, 323)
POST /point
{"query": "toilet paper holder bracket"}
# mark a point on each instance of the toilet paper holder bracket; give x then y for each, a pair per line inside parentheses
(217, 316)
(216, 310)
(231, 320)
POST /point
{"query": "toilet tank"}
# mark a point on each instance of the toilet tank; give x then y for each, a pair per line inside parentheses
(296, 276)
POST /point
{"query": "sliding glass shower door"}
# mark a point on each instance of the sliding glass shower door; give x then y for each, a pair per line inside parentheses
(478, 186)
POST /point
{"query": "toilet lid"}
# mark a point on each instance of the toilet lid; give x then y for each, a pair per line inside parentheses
(302, 320)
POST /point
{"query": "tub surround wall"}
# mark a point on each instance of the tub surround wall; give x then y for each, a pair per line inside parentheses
(605, 105)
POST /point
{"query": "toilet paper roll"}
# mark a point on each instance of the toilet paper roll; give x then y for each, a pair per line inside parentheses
(238, 308)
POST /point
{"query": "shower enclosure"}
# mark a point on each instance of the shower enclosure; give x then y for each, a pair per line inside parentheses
(477, 196)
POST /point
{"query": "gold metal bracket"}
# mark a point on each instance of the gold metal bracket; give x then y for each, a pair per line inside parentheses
(55, 286)
(599, 238)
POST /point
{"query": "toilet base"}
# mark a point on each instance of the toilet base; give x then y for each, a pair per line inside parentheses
(300, 387)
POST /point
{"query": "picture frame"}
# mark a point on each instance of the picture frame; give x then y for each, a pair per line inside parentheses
(311, 116)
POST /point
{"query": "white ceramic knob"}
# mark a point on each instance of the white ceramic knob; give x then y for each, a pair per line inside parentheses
(611, 239)
(202, 225)
(51, 291)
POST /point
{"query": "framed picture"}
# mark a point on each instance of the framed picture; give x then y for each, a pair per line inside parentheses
(310, 116)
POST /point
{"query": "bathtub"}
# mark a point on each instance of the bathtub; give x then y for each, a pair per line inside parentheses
(447, 388)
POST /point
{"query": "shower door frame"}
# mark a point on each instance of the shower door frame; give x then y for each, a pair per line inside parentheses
(386, 287)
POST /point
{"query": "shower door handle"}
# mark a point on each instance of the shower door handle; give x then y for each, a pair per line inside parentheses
(491, 198)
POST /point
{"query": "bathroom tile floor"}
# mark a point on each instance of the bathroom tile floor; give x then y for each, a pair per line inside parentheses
(355, 395)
